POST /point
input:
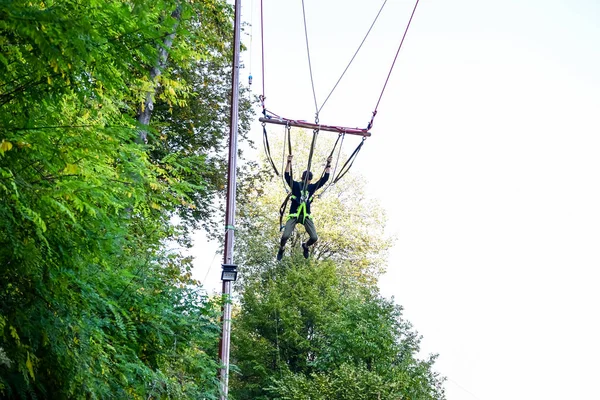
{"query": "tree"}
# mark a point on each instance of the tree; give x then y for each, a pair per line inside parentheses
(302, 334)
(318, 328)
(191, 141)
(93, 303)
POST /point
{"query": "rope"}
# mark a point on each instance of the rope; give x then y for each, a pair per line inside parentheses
(354, 56)
(393, 63)
(310, 156)
(287, 187)
(262, 44)
(287, 132)
(251, 37)
(342, 136)
(310, 65)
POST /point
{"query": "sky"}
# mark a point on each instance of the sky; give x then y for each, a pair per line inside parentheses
(484, 153)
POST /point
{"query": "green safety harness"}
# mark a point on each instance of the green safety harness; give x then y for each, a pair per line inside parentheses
(301, 213)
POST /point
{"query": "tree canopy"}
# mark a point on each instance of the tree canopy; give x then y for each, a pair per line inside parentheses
(94, 303)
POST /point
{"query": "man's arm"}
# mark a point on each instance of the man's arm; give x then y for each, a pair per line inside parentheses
(288, 171)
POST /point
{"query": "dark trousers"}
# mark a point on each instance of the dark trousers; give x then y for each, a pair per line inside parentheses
(308, 225)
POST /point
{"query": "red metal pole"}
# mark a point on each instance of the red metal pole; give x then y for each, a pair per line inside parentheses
(230, 210)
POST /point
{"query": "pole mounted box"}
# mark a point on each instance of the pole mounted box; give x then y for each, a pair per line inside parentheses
(229, 272)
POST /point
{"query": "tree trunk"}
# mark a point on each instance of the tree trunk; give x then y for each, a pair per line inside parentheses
(163, 53)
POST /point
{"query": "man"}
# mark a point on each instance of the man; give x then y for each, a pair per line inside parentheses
(300, 208)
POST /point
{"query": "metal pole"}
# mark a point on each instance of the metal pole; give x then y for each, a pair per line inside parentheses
(230, 210)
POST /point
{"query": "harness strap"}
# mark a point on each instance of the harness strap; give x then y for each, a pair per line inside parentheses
(282, 210)
(300, 213)
(349, 162)
(268, 149)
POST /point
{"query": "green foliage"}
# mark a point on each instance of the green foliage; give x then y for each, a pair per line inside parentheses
(190, 140)
(348, 382)
(93, 303)
(302, 334)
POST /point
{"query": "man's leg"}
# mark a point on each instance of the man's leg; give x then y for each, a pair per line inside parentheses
(312, 232)
(287, 233)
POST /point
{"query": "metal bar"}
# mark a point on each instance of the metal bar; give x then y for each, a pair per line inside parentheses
(230, 210)
(308, 125)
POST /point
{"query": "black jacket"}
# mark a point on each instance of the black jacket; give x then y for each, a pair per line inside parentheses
(297, 191)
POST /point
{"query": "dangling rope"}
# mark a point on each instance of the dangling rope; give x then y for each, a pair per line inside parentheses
(393, 63)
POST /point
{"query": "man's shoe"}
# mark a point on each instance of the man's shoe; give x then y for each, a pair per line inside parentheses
(280, 254)
(305, 250)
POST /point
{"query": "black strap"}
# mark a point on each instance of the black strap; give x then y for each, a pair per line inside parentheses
(268, 149)
(282, 210)
(310, 156)
(330, 155)
(288, 130)
(349, 162)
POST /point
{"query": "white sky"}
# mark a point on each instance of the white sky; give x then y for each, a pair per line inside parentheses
(485, 155)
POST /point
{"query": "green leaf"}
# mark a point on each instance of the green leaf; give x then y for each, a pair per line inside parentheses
(29, 366)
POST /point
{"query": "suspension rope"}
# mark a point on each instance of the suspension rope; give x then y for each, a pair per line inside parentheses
(262, 44)
(310, 65)
(354, 56)
(342, 136)
(286, 186)
(251, 37)
(287, 133)
(310, 156)
(393, 63)
(285, 130)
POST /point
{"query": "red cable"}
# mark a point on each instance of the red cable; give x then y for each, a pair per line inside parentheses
(262, 43)
(393, 63)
